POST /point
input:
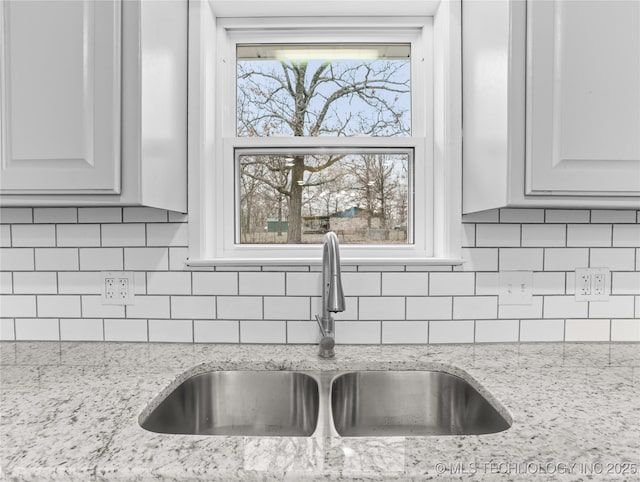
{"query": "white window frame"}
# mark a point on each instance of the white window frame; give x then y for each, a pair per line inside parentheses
(435, 136)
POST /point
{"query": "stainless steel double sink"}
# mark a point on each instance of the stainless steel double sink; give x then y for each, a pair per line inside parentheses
(303, 404)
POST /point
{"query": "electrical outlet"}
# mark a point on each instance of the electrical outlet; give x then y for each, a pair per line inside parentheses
(117, 288)
(516, 288)
(592, 284)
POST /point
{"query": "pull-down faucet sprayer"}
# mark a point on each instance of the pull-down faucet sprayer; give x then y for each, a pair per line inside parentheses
(332, 295)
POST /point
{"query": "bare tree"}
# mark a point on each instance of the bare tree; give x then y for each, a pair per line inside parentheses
(300, 98)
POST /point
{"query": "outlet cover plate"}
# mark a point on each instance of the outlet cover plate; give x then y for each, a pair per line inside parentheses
(117, 288)
(516, 288)
(593, 284)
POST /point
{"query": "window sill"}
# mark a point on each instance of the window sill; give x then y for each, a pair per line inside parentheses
(345, 261)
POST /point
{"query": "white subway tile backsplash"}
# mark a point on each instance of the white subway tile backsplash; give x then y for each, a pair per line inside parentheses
(77, 282)
(541, 330)
(167, 234)
(613, 258)
(214, 283)
(125, 330)
(625, 283)
(626, 235)
(468, 235)
(487, 283)
(549, 283)
(7, 329)
(382, 308)
(479, 259)
(33, 235)
(78, 329)
(565, 259)
(304, 284)
(567, 216)
(195, 307)
(146, 259)
(169, 283)
(429, 308)
(175, 217)
(6, 282)
(56, 259)
(149, 307)
(589, 235)
(497, 235)
(625, 330)
(178, 331)
(144, 215)
(534, 310)
(100, 215)
(587, 330)
(131, 234)
(453, 331)
(16, 215)
(451, 284)
(92, 307)
(239, 307)
(491, 216)
(614, 307)
(302, 332)
(475, 307)
(229, 304)
(409, 332)
(35, 282)
(101, 259)
(286, 308)
(522, 215)
(544, 235)
(497, 331)
(39, 329)
(405, 284)
(216, 331)
(361, 284)
(564, 307)
(358, 332)
(5, 235)
(263, 331)
(178, 258)
(261, 283)
(16, 259)
(78, 235)
(59, 306)
(612, 216)
(527, 259)
(17, 306)
(55, 215)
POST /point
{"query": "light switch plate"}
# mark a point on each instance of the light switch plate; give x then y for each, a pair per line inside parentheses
(516, 288)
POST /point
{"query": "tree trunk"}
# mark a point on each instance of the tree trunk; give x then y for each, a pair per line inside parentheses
(294, 227)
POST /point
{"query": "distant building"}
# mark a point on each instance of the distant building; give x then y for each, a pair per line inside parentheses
(274, 225)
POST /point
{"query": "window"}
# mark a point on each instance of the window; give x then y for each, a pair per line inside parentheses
(315, 124)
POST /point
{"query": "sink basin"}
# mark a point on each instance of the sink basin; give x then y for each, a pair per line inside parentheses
(408, 403)
(259, 403)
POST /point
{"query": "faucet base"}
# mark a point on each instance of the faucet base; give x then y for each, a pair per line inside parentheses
(325, 348)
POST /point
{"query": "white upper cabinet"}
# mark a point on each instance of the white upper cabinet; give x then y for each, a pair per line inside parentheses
(61, 97)
(94, 101)
(551, 104)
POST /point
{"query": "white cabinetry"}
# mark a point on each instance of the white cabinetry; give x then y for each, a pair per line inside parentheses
(551, 104)
(93, 99)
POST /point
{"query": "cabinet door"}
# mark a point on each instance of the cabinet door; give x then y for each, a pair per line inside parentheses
(60, 96)
(583, 97)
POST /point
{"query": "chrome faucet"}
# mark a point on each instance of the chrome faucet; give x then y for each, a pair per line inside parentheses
(332, 295)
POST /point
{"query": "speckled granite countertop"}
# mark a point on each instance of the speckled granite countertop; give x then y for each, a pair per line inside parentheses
(69, 411)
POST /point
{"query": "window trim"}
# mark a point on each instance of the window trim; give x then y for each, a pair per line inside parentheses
(207, 245)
